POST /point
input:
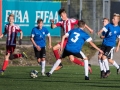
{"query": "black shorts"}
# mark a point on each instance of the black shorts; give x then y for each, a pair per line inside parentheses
(68, 53)
(108, 51)
(41, 53)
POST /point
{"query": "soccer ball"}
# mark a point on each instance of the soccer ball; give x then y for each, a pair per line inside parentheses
(34, 74)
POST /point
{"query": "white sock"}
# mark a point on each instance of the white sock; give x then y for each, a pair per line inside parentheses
(106, 64)
(43, 66)
(86, 67)
(55, 66)
(104, 68)
(101, 64)
(116, 65)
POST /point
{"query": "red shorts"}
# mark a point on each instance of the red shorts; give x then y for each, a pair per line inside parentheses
(64, 44)
(10, 49)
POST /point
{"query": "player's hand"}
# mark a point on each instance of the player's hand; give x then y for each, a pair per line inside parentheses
(38, 48)
(101, 51)
(50, 46)
(91, 31)
(52, 20)
(20, 42)
(98, 33)
(102, 37)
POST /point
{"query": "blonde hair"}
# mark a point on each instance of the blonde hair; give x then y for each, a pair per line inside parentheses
(11, 15)
(116, 15)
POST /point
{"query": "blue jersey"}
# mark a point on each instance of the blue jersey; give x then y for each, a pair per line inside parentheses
(76, 39)
(111, 33)
(39, 36)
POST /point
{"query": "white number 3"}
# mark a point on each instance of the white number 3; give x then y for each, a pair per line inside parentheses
(76, 37)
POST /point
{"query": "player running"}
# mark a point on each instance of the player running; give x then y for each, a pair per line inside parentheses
(111, 32)
(66, 24)
(76, 39)
(11, 31)
(101, 63)
(38, 36)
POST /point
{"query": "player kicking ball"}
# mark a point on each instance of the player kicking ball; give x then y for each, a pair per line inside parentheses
(11, 30)
(38, 38)
(67, 24)
(76, 39)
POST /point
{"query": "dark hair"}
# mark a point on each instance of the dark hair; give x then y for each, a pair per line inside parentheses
(81, 23)
(39, 20)
(61, 11)
(105, 19)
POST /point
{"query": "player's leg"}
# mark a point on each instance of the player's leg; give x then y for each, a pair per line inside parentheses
(13, 56)
(56, 64)
(43, 61)
(102, 66)
(6, 60)
(57, 55)
(110, 59)
(105, 58)
(82, 56)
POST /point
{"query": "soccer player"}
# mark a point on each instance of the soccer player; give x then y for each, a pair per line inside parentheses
(66, 24)
(76, 39)
(111, 32)
(101, 63)
(11, 30)
(38, 38)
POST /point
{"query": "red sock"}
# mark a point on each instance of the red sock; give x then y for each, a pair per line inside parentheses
(79, 62)
(57, 56)
(17, 55)
(5, 64)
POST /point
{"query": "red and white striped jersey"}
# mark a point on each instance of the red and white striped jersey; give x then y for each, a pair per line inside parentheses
(11, 31)
(67, 25)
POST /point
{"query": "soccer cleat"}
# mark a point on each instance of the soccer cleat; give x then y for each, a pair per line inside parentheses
(48, 74)
(87, 78)
(107, 73)
(89, 68)
(24, 55)
(118, 70)
(43, 74)
(59, 67)
(102, 74)
(1, 72)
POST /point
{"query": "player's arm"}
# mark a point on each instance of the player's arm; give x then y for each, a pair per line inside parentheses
(49, 40)
(93, 45)
(52, 24)
(4, 33)
(87, 27)
(21, 36)
(89, 40)
(33, 41)
(100, 31)
(63, 39)
(118, 44)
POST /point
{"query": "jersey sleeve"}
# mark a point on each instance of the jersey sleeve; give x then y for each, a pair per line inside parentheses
(59, 24)
(68, 33)
(47, 32)
(86, 37)
(32, 33)
(105, 28)
(74, 21)
(18, 28)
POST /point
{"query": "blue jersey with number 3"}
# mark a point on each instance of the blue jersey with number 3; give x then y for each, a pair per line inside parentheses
(76, 39)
